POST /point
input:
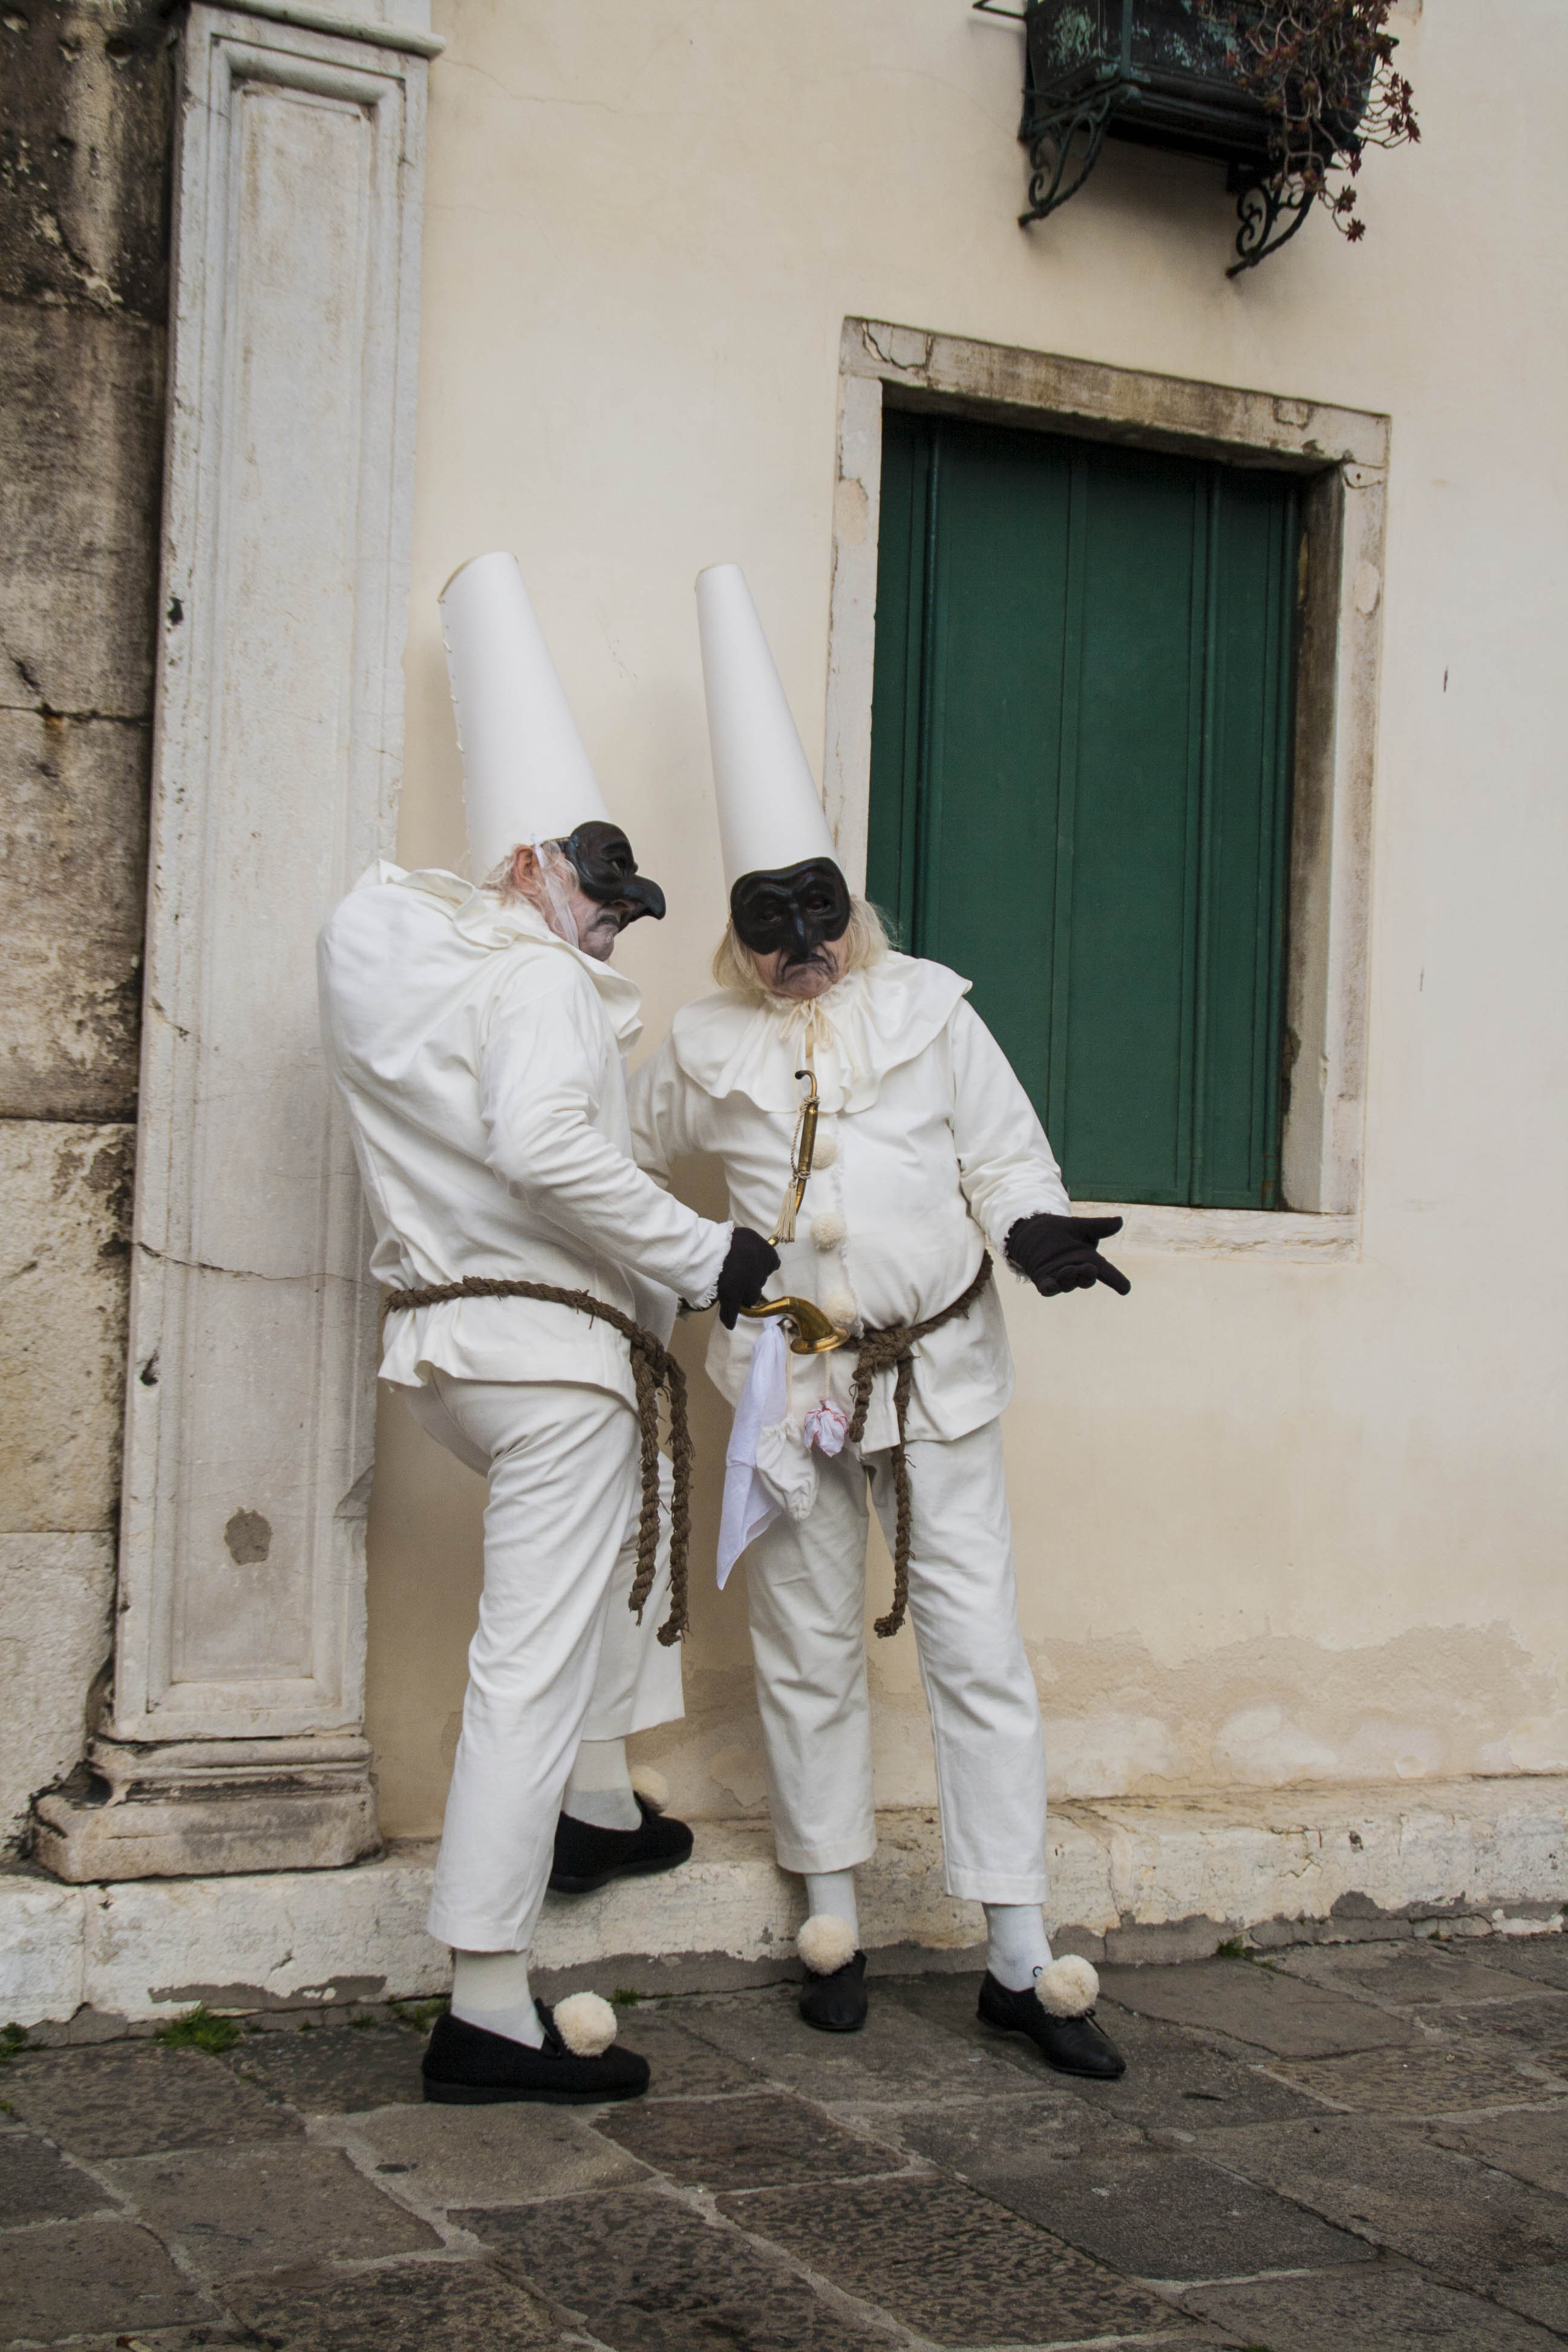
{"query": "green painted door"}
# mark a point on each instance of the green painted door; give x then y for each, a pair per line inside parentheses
(1081, 772)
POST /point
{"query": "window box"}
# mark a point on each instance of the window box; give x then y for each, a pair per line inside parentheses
(1161, 73)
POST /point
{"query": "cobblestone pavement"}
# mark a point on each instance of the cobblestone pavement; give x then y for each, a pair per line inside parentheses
(1349, 2145)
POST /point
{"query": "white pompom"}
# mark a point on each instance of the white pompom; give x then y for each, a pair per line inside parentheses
(651, 1787)
(824, 1151)
(827, 1229)
(841, 1309)
(825, 1943)
(586, 2023)
(1067, 1987)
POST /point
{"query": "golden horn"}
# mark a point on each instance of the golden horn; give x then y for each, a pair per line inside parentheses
(814, 1334)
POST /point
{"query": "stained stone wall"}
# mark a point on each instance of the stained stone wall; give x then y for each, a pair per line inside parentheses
(86, 95)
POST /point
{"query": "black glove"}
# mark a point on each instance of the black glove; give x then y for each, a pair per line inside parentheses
(1059, 1253)
(747, 1265)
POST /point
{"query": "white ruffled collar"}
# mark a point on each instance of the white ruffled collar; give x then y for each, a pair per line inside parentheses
(491, 922)
(871, 1022)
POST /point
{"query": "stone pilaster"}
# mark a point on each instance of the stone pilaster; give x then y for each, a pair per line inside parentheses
(233, 1741)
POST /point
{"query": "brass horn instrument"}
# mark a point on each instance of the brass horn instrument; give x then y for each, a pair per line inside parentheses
(814, 1334)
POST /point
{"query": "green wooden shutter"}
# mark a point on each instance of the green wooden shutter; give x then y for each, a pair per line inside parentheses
(1080, 784)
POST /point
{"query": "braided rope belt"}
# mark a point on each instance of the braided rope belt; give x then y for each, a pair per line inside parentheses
(655, 1372)
(892, 1350)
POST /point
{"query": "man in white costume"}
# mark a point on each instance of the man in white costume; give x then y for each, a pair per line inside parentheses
(926, 1151)
(478, 1034)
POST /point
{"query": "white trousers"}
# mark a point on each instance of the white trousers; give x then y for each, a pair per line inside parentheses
(557, 1656)
(806, 1584)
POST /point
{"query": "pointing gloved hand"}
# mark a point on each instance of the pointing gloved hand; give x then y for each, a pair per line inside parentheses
(747, 1265)
(1059, 1253)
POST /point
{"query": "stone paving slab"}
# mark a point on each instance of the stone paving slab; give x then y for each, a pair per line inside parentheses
(437, 2156)
(86, 2278)
(1172, 2217)
(1379, 2307)
(886, 2059)
(434, 2307)
(743, 2143)
(37, 2185)
(1541, 2294)
(262, 2209)
(647, 2274)
(1411, 1975)
(1542, 1958)
(684, 2065)
(1250, 2002)
(136, 2098)
(1444, 2210)
(1532, 2145)
(334, 2072)
(1020, 2133)
(1174, 2081)
(953, 2265)
(1418, 2082)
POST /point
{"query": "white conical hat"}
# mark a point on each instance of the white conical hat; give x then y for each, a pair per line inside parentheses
(526, 776)
(769, 813)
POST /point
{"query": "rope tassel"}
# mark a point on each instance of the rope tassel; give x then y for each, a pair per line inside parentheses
(655, 1372)
(892, 1351)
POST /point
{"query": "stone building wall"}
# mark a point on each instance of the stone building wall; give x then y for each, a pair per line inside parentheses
(85, 94)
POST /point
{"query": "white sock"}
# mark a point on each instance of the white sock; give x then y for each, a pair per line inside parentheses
(1017, 1947)
(600, 1789)
(833, 1892)
(491, 1988)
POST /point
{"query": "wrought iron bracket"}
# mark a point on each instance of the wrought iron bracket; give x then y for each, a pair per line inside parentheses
(1063, 151)
(1260, 209)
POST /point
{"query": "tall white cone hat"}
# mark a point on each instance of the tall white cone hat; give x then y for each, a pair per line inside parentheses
(526, 775)
(769, 813)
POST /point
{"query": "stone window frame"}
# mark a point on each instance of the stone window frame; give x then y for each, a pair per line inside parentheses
(1341, 454)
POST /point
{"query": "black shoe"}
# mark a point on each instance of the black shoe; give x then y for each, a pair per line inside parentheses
(837, 2003)
(1073, 2044)
(587, 1857)
(465, 2066)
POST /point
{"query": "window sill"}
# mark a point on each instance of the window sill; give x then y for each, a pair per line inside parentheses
(1230, 1232)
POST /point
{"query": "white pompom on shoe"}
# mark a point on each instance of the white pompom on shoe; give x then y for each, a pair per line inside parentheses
(651, 1787)
(1067, 1987)
(826, 1943)
(586, 2023)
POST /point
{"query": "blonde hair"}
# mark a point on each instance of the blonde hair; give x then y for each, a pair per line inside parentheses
(865, 944)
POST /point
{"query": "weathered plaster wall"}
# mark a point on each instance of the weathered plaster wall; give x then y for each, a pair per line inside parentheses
(1278, 1523)
(85, 95)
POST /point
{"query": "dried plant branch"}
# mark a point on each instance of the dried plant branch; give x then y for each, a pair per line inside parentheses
(1324, 71)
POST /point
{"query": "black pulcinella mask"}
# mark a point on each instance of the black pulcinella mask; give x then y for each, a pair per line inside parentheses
(796, 908)
(601, 856)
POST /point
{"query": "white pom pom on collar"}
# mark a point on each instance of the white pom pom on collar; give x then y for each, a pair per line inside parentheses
(1067, 1987)
(826, 1943)
(586, 2023)
(651, 1787)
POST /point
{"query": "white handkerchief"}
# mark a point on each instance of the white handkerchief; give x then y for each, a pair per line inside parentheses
(751, 1502)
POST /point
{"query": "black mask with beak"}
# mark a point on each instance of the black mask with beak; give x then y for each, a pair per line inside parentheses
(795, 910)
(601, 856)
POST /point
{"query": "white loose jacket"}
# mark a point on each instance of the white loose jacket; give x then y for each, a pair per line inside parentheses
(928, 1150)
(480, 1058)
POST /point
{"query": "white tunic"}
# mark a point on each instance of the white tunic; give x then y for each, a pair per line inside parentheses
(481, 1060)
(928, 1151)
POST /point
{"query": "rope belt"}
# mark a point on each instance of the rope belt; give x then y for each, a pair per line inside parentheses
(892, 1350)
(655, 1372)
